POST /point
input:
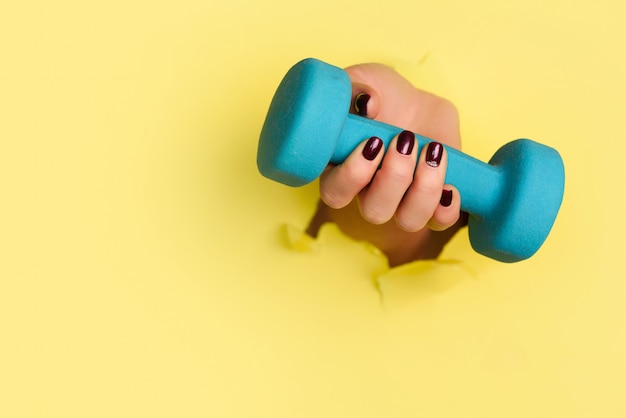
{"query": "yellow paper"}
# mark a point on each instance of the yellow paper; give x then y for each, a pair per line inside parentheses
(146, 268)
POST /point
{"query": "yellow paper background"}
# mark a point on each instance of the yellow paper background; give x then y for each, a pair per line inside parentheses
(147, 269)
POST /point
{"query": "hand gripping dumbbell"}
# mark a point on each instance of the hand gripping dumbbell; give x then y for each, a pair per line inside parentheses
(512, 201)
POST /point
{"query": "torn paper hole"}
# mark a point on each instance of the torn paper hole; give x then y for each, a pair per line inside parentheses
(397, 286)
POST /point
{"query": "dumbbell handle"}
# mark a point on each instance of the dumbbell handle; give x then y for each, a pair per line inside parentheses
(481, 185)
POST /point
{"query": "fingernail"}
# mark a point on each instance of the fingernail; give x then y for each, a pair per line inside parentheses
(372, 148)
(360, 103)
(446, 198)
(406, 141)
(434, 152)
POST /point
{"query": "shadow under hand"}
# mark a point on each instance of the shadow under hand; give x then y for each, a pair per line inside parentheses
(399, 246)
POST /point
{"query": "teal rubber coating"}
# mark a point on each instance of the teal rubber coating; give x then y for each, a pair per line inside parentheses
(512, 201)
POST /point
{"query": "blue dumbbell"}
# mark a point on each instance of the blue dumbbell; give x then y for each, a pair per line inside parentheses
(512, 201)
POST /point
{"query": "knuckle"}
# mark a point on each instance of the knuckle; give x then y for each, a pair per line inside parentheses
(341, 186)
(448, 108)
(333, 199)
(410, 224)
(352, 175)
(444, 108)
(427, 188)
(399, 175)
(374, 214)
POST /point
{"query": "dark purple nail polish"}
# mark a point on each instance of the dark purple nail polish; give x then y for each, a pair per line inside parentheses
(360, 103)
(372, 148)
(406, 141)
(434, 152)
(446, 198)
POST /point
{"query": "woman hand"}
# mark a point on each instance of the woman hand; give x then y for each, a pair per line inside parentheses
(394, 198)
